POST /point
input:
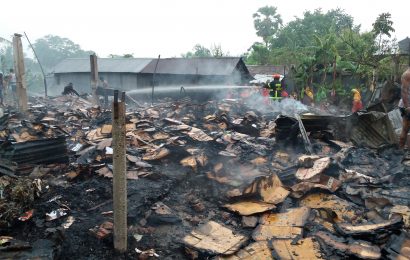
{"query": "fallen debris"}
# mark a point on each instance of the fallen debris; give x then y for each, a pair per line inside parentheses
(306, 248)
(256, 250)
(55, 214)
(247, 208)
(286, 225)
(192, 164)
(375, 231)
(102, 231)
(213, 238)
(357, 248)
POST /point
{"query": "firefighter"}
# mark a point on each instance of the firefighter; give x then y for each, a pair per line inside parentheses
(275, 87)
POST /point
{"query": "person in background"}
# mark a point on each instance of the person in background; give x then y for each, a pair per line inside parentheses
(103, 90)
(357, 101)
(404, 106)
(69, 90)
(308, 96)
(284, 94)
(265, 92)
(12, 84)
(1, 89)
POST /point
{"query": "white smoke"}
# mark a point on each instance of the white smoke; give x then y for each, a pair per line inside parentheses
(287, 106)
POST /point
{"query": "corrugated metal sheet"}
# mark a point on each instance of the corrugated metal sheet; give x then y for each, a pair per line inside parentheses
(373, 129)
(404, 45)
(396, 119)
(22, 157)
(194, 66)
(125, 65)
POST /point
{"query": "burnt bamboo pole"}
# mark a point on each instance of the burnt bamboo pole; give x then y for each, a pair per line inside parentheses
(21, 85)
(94, 78)
(119, 171)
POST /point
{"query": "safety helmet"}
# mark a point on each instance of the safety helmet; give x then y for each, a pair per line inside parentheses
(276, 76)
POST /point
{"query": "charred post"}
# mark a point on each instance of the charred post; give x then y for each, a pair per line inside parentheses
(94, 78)
(119, 171)
(20, 73)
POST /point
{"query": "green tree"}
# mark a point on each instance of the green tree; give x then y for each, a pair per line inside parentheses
(267, 23)
(52, 49)
(201, 51)
(198, 51)
(301, 31)
(259, 55)
(127, 55)
(383, 26)
(216, 51)
(6, 55)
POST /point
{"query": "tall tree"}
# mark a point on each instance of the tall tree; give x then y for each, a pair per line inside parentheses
(198, 51)
(259, 55)
(383, 26)
(267, 22)
(201, 51)
(52, 49)
(300, 32)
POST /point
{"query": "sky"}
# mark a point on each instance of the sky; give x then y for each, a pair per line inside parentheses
(171, 27)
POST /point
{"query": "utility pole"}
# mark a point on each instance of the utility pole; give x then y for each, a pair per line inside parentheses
(20, 72)
(119, 170)
(94, 78)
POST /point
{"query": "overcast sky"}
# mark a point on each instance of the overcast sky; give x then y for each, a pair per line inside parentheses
(171, 27)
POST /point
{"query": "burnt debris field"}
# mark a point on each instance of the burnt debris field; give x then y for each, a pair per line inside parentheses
(216, 179)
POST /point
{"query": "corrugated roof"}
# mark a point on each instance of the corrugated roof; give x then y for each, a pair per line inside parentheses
(404, 45)
(127, 65)
(267, 69)
(194, 66)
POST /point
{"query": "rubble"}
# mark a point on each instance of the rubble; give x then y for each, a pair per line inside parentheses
(306, 248)
(213, 238)
(215, 179)
(286, 225)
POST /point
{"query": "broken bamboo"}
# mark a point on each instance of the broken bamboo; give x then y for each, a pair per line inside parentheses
(119, 170)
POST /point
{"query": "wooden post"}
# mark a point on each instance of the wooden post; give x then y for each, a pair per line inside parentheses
(94, 78)
(119, 169)
(21, 85)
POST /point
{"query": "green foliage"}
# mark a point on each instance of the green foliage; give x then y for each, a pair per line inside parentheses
(300, 32)
(52, 49)
(259, 55)
(6, 59)
(198, 51)
(201, 51)
(267, 23)
(322, 46)
(127, 55)
(383, 25)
